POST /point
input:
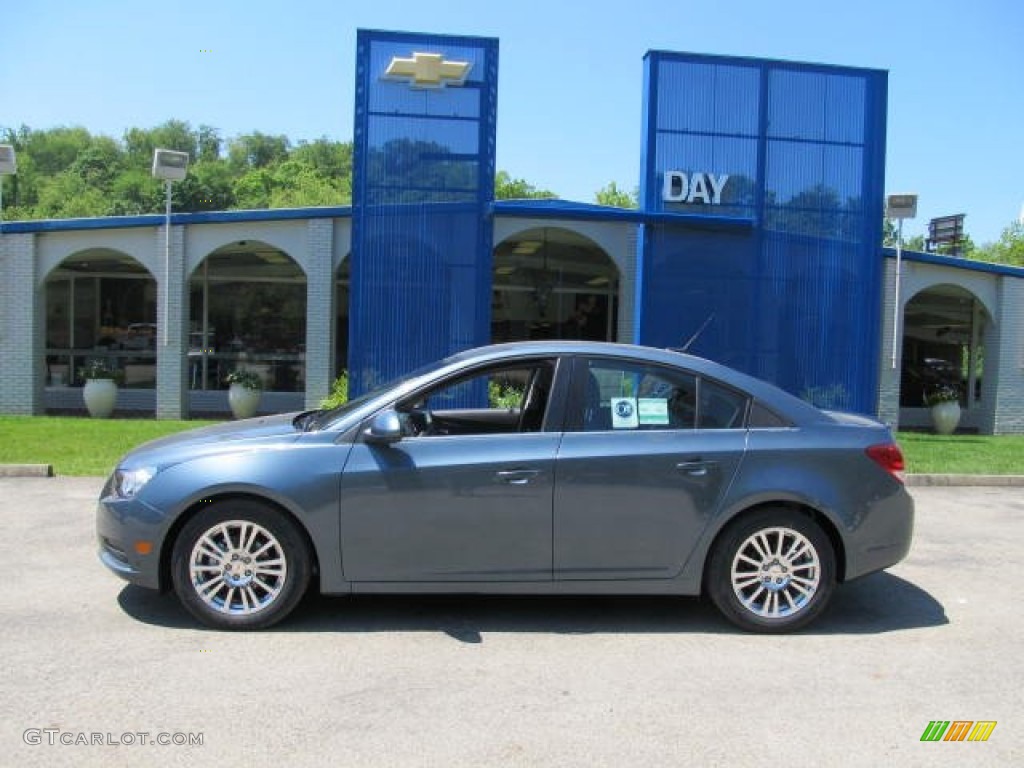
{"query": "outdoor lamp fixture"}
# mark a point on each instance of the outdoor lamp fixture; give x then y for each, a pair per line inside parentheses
(170, 166)
(899, 207)
(8, 167)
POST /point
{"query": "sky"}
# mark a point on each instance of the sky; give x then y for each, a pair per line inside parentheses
(570, 77)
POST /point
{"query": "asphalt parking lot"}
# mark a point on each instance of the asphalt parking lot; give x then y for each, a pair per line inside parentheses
(511, 681)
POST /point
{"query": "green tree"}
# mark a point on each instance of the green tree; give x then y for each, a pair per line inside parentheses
(915, 243)
(890, 232)
(54, 151)
(507, 188)
(208, 142)
(253, 189)
(610, 194)
(257, 150)
(100, 163)
(208, 186)
(172, 134)
(135, 192)
(67, 172)
(330, 159)
(1009, 249)
(964, 249)
(297, 185)
(68, 196)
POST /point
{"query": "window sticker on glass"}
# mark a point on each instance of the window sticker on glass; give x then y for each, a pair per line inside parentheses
(652, 410)
(624, 414)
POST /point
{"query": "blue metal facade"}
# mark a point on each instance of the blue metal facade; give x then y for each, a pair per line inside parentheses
(795, 297)
(423, 184)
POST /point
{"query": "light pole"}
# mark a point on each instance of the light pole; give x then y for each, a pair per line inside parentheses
(8, 167)
(170, 166)
(899, 207)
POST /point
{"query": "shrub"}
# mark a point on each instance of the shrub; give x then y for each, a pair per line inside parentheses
(98, 368)
(248, 379)
(339, 392)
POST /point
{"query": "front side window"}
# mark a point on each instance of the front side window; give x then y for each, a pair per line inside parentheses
(620, 395)
(497, 399)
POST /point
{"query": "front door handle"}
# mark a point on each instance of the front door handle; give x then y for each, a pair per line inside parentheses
(516, 476)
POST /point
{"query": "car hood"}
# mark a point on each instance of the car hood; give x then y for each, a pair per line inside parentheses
(250, 434)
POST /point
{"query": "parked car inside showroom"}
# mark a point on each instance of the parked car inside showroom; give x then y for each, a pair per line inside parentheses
(530, 467)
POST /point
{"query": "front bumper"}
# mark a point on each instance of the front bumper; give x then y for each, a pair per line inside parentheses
(124, 528)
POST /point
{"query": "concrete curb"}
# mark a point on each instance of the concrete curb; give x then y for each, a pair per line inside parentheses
(26, 470)
(939, 481)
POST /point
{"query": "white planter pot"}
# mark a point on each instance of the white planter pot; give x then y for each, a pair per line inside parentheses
(243, 401)
(100, 396)
(946, 417)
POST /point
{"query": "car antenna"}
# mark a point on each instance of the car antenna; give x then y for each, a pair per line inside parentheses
(696, 336)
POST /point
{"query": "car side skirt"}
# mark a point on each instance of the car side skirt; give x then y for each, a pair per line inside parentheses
(631, 587)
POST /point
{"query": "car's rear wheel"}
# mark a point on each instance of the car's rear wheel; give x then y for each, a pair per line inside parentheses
(772, 571)
(239, 564)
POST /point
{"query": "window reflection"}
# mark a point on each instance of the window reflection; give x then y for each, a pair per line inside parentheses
(248, 310)
(101, 304)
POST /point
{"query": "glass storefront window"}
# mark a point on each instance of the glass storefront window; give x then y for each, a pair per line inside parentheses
(101, 305)
(552, 283)
(248, 310)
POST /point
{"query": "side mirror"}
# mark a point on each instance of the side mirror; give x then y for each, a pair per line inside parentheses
(385, 428)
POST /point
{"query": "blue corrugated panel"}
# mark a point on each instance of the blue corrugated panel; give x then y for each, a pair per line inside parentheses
(423, 186)
(797, 299)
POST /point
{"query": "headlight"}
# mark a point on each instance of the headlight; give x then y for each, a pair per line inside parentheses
(128, 482)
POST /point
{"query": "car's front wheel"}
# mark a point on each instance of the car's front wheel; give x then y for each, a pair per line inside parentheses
(772, 571)
(239, 564)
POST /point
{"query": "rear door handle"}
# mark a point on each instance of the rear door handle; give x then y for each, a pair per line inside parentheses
(695, 468)
(516, 476)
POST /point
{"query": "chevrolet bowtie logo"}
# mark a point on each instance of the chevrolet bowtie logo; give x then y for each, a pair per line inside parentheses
(428, 70)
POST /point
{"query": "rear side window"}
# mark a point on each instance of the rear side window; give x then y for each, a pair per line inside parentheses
(721, 407)
(621, 395)
(763, 418)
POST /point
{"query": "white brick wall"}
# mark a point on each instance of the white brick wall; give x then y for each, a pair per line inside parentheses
(627, 287)
(320, 319)
(22, 364)
(172, 315)
(888, 409)
(1009, 358)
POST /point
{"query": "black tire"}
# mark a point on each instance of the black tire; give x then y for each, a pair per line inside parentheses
(785, 571)
(252, 570)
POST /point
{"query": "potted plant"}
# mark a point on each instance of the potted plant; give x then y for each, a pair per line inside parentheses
(945, 408)
(244, 392)
(100, 390)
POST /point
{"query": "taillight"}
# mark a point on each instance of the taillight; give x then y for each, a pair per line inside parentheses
(889, 457)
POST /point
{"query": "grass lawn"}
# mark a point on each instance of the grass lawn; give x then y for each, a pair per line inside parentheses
(83, 446)
(927, 454)
(78, 446)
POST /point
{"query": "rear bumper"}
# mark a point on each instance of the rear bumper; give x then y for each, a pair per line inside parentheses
(884, 536)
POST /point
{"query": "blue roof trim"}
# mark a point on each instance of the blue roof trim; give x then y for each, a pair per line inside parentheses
(156, 220)
(950, 261)
(541, 209)
(748, 61)
(565, 209)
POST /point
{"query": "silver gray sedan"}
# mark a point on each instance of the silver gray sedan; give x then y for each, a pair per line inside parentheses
(540, 467)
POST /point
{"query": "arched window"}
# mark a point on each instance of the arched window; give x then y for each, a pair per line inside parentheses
(553, 283)
(247, 310)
